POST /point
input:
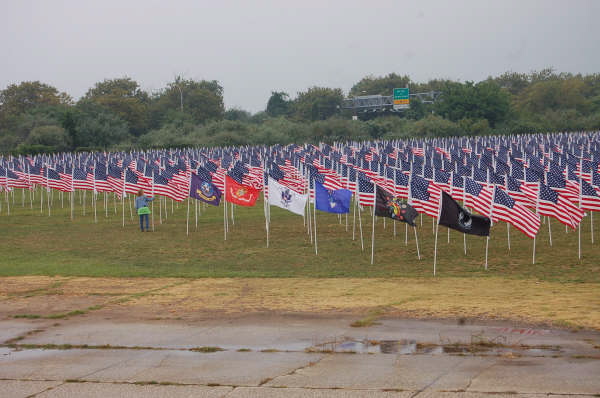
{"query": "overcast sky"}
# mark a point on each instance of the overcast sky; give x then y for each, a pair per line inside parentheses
(255, 47)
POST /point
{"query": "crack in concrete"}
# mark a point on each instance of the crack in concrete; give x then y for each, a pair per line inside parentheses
(432, 383)
(234, 387)
(43, 391)
(309, 364)
(479, 374)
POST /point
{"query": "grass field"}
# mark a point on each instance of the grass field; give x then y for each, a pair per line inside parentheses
(37, 252)
(34, 243)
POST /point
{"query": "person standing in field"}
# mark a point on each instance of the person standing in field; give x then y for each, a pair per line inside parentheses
(141, 205)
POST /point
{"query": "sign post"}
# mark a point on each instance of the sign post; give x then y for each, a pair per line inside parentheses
(401, 98)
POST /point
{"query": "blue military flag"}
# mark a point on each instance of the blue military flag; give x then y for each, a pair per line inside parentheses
(332, 201)
(204, 190)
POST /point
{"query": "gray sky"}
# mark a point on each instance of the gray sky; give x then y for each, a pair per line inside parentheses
(255, 47)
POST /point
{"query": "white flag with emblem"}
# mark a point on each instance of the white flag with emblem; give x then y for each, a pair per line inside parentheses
(282, 196)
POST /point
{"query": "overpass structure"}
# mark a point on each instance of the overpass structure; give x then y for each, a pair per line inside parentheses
(384, 103)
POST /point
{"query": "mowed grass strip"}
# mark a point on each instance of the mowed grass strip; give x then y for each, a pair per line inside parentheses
(34, 243)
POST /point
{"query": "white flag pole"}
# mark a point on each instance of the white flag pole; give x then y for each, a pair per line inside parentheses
(409, 201)
(123, 200)
(362, 242)
(354, 216)
(487, 241)
(315, 218)
(592, 225)
(187, 217)
(225, 208)
(72, 191)
(152, 203)
(417, 243)
(437, 227)
(309, 213)
(537, 200)
(579, 226)
(47, 195)
(373, 229)
(507, 224)
(95, 195)
(266, 206)
(463, 202)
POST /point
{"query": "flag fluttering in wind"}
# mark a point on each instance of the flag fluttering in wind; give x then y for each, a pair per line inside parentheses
(239, 194)
(332, 201)
(286, 198)
(454, 216)
(204, 190)
(387, 205)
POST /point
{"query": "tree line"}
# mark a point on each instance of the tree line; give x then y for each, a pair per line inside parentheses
(117, 114)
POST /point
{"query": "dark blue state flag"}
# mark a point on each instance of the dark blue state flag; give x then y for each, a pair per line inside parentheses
(332, 201)
(204, 190)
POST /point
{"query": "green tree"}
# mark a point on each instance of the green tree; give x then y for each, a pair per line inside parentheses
(53, 137)
(17, 99)
(385, 85)
(512, 82)
(97, 127)
(123, 97)
(317, 103)
(201, 100)
(473, 101)
(237, 114)
(278, 104)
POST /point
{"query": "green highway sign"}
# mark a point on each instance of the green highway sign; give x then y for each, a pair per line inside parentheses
(401, 98)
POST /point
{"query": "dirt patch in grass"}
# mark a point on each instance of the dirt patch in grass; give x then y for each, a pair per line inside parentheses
(562, 304)
(489, 298)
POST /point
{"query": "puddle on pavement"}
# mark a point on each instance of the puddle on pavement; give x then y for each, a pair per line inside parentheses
(408, 347)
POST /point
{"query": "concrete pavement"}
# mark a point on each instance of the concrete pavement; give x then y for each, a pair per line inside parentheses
(293, 356)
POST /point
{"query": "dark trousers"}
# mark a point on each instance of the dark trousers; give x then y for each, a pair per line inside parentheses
(142, 218)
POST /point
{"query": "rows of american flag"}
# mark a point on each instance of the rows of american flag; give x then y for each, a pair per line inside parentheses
(514, 179)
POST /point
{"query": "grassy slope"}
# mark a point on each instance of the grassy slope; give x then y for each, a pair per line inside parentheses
(37, 244)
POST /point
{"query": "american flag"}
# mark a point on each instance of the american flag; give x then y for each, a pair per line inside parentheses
(590, 200)
(442, 179)
(101, 179)
(401, 184)
(254, 177)
(80, 180)
(161, 187)
(366, 191)
(179, 189)
(66, 175)
(37, 175)
(14, 181)
(478, 196)
(55, 182)
(425, 196)
(115, 178)
(418, 151)
(569, 189)
(507, 209)
(389, 183)
(132, 183)
(553, 204)
(520, 192)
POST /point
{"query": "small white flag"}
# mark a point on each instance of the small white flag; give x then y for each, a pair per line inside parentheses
(282, 196)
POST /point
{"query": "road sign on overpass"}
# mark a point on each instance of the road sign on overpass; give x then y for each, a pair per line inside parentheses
(401, 98)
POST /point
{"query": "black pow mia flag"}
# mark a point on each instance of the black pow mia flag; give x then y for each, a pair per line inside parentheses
(386, 205)
(455, 217)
